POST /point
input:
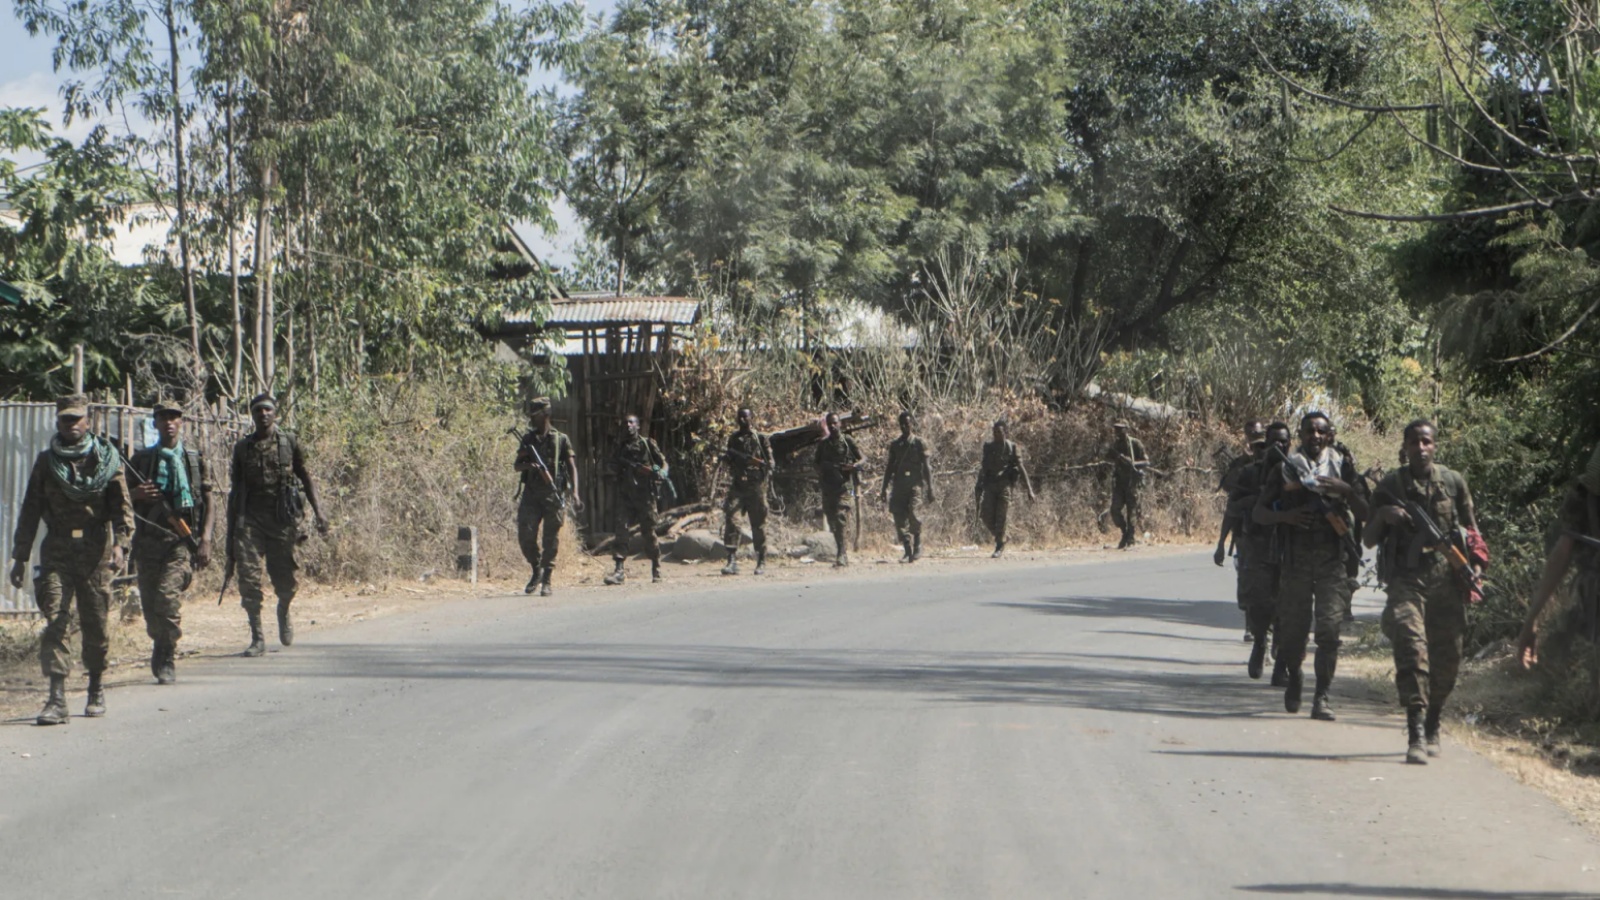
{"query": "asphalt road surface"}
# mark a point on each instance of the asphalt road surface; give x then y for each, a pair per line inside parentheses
(1009, 730)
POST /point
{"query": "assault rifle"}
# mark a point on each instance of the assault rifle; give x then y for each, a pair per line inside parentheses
(1431, 537)
(1319, 504)
(528, 448)
(176, 526)
(1584, 539)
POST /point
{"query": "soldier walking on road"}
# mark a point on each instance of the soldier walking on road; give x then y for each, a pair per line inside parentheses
(1578, 541)
(838, 464)
(749, 461)
(1234, 516)
(548, 469)
(1424, 519)
(998, 472)
(1258, 571)
(77, 490)
(172, 500)
(906, 478)
(264, 513)
(1312, 493)
(1127, 455)
(640, 467)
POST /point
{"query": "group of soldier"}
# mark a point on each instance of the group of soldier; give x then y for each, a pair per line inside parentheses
(1296, 511)
(98, 507)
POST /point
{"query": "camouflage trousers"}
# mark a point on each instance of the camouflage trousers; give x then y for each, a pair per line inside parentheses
(1312, 588)
(836, 511)
(1426, 620)
(750, 499)
(994, 505)
(1125, 507)
(539, 522)
(165, 572)
(1258, 585)
(636, 511)
(265, 547)
(904, 502)
(84, 582)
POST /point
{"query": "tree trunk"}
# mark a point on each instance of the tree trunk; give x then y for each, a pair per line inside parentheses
(263, 277)
(231, 211)
(180, 177)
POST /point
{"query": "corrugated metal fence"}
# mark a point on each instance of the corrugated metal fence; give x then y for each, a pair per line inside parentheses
(25, 429)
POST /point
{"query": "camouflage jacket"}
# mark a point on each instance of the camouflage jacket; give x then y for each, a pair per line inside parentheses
(71, 528)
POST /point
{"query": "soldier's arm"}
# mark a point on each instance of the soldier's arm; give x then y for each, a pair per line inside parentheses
(1377, 526)
(208, 524)
(927, 471)
(524, 460)
(570, 459)
(1138, 451)
(1023, 471)
(304, 475)
(889, 467)
(28, 518)
(119, 509)
(1469, 514)
(659, 457)
(1357, 499)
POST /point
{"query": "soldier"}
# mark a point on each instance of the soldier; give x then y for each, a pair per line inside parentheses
(838, 464)
(1426, 615)
(1578, 540)
(1258, 571)
(907, 471)
(76, 488)
(1234, 516)
(640, 467)
(547, 468)
(998, 472)
(1312, 494)
(172, 502)
(749, 462)
(264, 513)
(1127, 454)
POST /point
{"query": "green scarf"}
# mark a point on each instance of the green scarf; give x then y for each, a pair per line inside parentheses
(83, 488)
(172, 476)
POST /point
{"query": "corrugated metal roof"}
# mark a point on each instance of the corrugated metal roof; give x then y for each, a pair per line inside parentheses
(581, 310)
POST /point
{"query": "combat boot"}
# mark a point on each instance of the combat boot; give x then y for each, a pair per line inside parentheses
(916, 547)
(96, 705)
(841, 560)
(906, 544)
(732, 568)
(1416, 754)
(285, 624)
(55, 708)
(544, 581)
(258, 640)
(655, 571)
(1258, 657)
(761, 563)
(999, 548)
(1321, 709)
(616, 577)
(1280, 673)
(1430, 732)
(1327, 660)
(165, 671)
(533, 581)
(1295, 686)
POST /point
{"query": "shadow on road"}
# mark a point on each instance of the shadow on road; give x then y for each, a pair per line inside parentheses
(1204, 613)
(1275, 754)
(1407, 893)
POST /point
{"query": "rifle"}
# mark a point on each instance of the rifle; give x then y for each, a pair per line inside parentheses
(1584, 539)
(176, 527)
(538, 463)
(1431, 537)
(1319, 504)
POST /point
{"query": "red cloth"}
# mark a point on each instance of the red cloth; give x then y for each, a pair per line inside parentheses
(1477, 555)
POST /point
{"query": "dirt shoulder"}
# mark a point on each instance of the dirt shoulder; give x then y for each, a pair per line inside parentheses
(211, 630)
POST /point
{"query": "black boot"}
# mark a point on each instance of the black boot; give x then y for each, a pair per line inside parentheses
(840, 557)
(616, 577)
(1258, 657)
(906, 543)
(761, 563)
(544, 581)
(999, 548)
(1416, 754)
(1280, 674)
(95, 707)
(533, 581)
(655, 571)
(916, 546)
(258, 640)
(1291, 693)
(1327, 660)
(1430, 731)
(732, 568)
(285, 624)
(55, 708)
(165, 670)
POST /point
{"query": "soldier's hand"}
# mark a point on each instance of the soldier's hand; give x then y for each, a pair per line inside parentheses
(577, 503)
(202, 554)
(1528, 649)
(115, 564)
(145, 492)
(1394, 515)
(1220, 555)
(1337, 485)
(1300, 517)
(18, 570)
(322, 524)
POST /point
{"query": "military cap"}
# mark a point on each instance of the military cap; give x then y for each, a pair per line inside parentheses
(1590, 478)
(166, 407)
(263, 401)
(538, 405)
(72, 405)
(1119, 424)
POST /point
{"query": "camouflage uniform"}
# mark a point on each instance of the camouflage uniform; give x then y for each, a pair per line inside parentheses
(162, 558)
(1237, 512)
(749, 460)
(1426, 616)
(267, 511)
(78, 539)
(1258, 571)
(1312, 587)
(998, 473)
(1125, 484)
(539, 511)
(906, 478)
(636, 495)
(837, 485)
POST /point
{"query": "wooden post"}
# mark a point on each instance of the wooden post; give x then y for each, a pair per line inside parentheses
(77, 368)
(467, 553)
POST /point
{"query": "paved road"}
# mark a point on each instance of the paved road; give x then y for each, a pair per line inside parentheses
(1006, 731)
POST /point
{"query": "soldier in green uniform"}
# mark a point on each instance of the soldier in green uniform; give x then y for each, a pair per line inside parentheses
(1258, 571)
(1235, 515)
(1426, 615)
(907, 477)
(1127, 456)
(1577, 540)
(838, 462)
(999, 470)
(264, 513)
(172, 537)
(749, 461)
(548, 469)
(1311, 495)
(76, 488)
(639, 467)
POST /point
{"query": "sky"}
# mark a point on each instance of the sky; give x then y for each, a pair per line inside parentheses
(27, 79)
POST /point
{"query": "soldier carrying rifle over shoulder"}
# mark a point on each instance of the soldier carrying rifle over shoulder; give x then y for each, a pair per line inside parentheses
(548, 469)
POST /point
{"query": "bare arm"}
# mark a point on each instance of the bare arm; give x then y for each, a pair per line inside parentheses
(304, 475)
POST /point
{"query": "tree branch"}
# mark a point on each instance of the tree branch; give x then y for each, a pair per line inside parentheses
(1463, 215)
